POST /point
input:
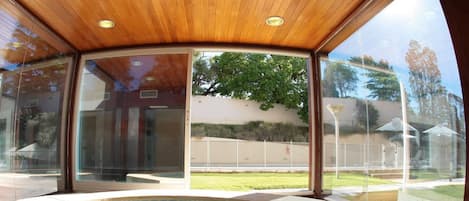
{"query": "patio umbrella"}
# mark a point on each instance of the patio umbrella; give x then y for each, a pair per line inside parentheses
(34, 151)
(440, 130)
(395, 125)
(445, 147)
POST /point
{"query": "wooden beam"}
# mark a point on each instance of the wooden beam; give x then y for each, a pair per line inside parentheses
(315, 126)
(457, 17)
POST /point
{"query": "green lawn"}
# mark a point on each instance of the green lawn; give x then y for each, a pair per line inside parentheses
(351, 179)
(451, 192)
(257, 181)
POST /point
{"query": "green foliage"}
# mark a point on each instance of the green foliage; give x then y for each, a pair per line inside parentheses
(363, 116)
(256, 130)
(204, 80)
(267, 79)
(383, 86)
(339, 80)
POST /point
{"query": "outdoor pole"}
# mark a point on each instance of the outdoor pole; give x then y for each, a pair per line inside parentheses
(335, 110)
(291, 154)
(208, 152)
(265, 154)
(383, 156)
(237, 153)
(405, 138)
(336, 147)
(367, 138)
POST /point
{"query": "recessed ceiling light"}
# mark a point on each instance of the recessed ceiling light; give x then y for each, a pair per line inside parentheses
(274, 21)
(106, 24)
(136, 63)
(149, 78)
(16, 44)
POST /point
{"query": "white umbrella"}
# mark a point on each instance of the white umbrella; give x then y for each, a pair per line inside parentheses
(440, 130)
(34, 151)
(395, 125)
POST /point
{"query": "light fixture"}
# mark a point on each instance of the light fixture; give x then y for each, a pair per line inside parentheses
(106, 24)
(16, 44)
(149, 78)
(274, 21)
(136, 63)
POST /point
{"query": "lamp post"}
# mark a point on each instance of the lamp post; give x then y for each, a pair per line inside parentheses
(335, 110)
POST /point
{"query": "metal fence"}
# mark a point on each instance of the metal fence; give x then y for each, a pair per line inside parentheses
(211, 155)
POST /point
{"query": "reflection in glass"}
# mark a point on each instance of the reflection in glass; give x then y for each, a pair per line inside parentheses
(33, 89)
(30, 123)
(402, 132)
(131, 119)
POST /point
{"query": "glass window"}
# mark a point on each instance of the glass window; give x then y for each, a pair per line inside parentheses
(249, 122)
(33, 88)
(393, 109)
(132, 119)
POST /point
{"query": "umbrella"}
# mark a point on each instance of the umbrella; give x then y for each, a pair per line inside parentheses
(440, 130)
(34, 151)
(395, 125)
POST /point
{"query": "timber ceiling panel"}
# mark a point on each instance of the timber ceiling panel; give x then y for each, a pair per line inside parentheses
(161, 72)
(307, 22)
(22, 40)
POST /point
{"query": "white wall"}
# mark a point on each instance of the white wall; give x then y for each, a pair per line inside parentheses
(387, 111)
(220, 110)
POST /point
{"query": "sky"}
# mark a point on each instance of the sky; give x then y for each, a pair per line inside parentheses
(388, 34)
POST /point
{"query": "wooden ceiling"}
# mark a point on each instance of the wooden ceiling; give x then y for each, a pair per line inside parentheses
(22, 39)
(147, 22)
(161, 72)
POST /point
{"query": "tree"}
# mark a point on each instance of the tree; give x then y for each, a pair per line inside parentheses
(267, 79)
(204, 80)
(425, 82)
(383, 86)
(339, 80)
(363, 116)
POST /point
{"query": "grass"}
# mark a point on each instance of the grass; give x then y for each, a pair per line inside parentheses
(351, 179)
(450, 192)
(248, 181)
(259, 181)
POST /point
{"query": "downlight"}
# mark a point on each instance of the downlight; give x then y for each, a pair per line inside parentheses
(274, 21)
(106, 24)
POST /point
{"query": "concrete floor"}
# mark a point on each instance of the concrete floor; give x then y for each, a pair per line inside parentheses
(169, 195)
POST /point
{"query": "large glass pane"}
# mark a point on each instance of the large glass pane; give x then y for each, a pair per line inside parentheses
(33, 77)
(393, 109)
(132, 119)
(249, 122)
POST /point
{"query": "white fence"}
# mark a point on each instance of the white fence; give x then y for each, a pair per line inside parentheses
(211, 155)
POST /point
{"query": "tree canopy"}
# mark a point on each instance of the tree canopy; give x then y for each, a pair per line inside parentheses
(264, 78)
(339, 80)
(383, 86)
(425, 83)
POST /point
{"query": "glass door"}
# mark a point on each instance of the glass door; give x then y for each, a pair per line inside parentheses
(131, 120)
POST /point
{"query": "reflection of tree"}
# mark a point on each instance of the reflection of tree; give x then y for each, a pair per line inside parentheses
(24, 44)
(267, 79)
(382, 86)
(339, 80)
(425, 83)
(363, 116)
